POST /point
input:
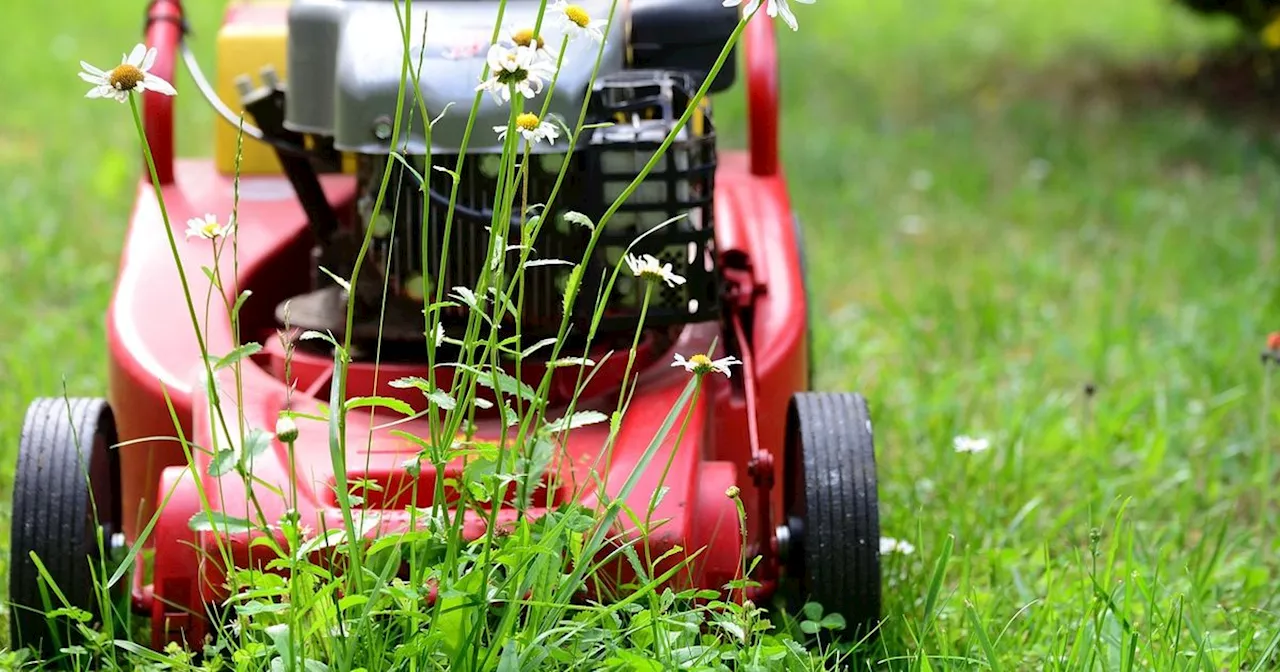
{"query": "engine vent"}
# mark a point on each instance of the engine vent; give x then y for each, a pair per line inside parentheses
(670, 212)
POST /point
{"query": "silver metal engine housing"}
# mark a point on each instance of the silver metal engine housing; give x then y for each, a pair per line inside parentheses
(345, 60)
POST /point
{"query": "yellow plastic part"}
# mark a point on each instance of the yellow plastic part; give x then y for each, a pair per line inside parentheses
(253, 35)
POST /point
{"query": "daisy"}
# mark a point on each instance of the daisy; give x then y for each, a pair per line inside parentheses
(701, 364)
(207, 227)
(523, 37)
(772, 7)
(576, 22)
(968, 444)
(521, 68)
(890, 545)
(131, 75)
(532, 128)
(649, 268)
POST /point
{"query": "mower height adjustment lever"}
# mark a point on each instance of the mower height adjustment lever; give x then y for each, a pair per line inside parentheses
(266, 104)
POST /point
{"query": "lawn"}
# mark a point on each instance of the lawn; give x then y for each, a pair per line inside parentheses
(1007, 205)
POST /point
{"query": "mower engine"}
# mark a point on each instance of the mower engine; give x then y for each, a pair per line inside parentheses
(346, 62)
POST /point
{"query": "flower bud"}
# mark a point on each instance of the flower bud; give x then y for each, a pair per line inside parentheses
(286, 429)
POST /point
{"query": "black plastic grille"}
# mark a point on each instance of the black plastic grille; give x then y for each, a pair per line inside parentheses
(643, 106)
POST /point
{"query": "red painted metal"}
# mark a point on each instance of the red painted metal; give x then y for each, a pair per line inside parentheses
(164, 33)
(734, 429)
(760, 42)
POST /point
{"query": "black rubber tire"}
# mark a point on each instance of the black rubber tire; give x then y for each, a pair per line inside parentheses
(832, 506)
(54, 514)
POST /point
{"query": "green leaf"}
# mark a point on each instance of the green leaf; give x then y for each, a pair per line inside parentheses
(833, 622)
(448, 172)
(242, 352)
(535, 263)
(311, 334)
(510, 660)
(935, 583)
(442, 399)
(73, 613)
(257, 443)
(379, 402)
(812, 611)
(578, 419)
(417, 175)
(538, 346)
(980, 633)
(579, 219)
(810, 627)
(435, 395)
(506, 384)
(244, 296)
(571, 286)
(208, 521)
(279, 634)
(467, 297)
(346, 286)
(222, 463)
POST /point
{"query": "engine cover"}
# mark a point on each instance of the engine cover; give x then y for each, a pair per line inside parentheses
(345, 62)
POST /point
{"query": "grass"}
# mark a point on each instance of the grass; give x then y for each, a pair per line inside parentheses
(1004, 203)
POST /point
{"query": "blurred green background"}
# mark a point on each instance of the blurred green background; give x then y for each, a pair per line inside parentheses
(1004, 201)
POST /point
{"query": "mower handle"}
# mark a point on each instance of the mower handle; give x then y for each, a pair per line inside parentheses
(164, 31)
(760, 43)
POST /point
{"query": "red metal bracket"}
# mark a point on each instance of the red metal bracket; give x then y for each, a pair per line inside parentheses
(741, 295)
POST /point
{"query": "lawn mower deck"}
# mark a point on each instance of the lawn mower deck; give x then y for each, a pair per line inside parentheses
(803, 461)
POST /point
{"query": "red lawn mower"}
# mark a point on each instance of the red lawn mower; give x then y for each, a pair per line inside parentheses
(314, 157)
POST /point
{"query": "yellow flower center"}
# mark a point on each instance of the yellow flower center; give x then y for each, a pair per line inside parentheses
(125, 77)
(528, 122)
(578, 15)
(701, 362)
(524, 38)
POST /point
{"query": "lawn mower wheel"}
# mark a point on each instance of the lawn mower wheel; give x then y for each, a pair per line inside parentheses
(65, 489)
(832, 552)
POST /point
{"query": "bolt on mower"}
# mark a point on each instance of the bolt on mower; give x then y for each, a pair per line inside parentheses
(307, 145)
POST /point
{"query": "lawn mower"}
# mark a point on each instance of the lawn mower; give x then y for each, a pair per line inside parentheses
(318, 82)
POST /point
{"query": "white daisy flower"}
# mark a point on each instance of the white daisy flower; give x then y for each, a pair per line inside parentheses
(131, 75)
(532, 128)
(890, 545)
(968, 444)
(523, 37)
(649, 268)
(577, 22)
(702, 364)
(522, 68)
(773, 8)
(207, 227)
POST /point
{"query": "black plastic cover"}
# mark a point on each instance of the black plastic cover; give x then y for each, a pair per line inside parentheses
(685, 35)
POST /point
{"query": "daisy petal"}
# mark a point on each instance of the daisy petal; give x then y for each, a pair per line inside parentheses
(153, 83)
(135, 57)
(91, 69)
(148, 60)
